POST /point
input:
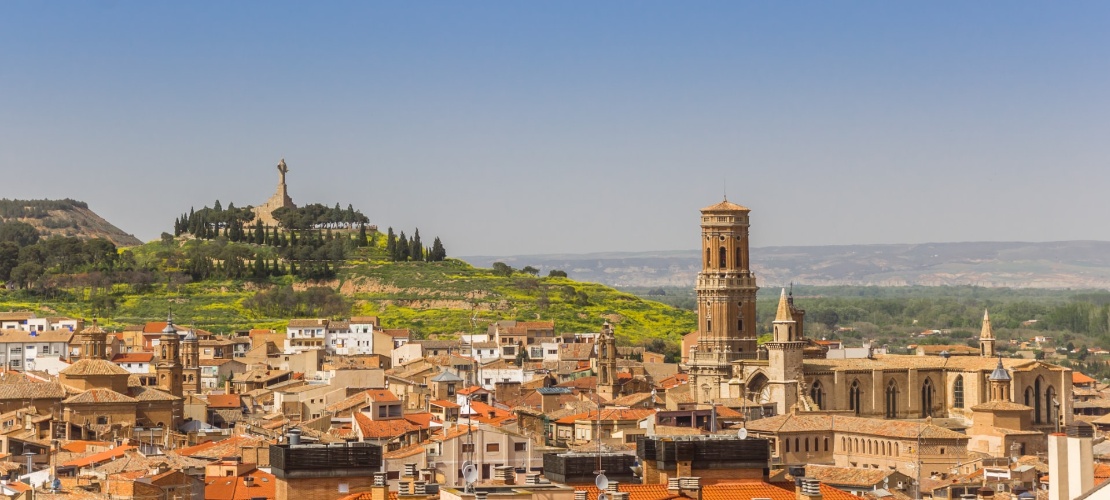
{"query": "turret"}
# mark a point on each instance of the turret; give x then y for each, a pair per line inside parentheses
(986, 337)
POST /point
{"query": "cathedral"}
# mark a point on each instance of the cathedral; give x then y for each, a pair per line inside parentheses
(792, 372)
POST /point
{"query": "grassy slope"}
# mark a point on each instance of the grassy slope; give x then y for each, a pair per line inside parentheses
(431, 298)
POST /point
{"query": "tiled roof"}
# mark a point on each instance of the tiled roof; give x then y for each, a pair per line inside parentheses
(16, 315)
(25, 337)
(443, 403)
(230, 447)
(308, 323)
(98, 457)
(224, 401)
(235, 488)
(1001, 406)
(871, 426)
(354, 402)
(151, 394)
(381, 429)
(726, 206)
(381, 396)
(133, 357)
(721, 490)
(100, 396)
(31, 390)
(636, 414)
(895, 362)
(846, 476)
(1079, 378)
(92, 367)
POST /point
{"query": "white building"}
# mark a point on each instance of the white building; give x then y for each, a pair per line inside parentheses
(135, 362)
(304, 334)
(19, 348)
(496, 372)
(359, 336)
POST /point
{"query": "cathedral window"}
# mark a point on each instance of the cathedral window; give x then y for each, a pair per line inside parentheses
(1037, 401)
(738, 266)
(723, 258)
(891, 400)
(927, 393)
(958, 392)
(854, 397)
(708, 258)
(1050, 403)
(817, 395)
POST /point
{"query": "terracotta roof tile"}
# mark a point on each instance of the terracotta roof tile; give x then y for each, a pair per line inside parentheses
(100, 396)
(91, 367)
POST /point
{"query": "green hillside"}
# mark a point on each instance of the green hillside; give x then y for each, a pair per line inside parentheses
(431, 298)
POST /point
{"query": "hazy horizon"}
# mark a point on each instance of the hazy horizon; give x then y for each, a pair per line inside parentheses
(555, 128)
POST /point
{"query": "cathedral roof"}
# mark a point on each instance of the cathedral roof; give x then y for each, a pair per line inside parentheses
(904, 362)
(151, 394)
(726, 206)
(100, 396)
(1001, 406)
(858, 425)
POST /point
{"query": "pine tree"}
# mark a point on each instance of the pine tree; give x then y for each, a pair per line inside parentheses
(362, 235)
(216, 207)
(438, 252)
(417, 249)
(391, 245)
(402, 248)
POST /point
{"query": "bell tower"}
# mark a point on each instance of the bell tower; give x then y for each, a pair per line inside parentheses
(784, 358)
(607, 363)
(986, 337)
(168, 368)
(726, 291)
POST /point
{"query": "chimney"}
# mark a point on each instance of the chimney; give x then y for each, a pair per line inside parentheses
(807, 488)
(1069, 457)
(690, 486)
(227, 387)
(248, 481)
(419, 488)
(404, 488)
(410, 470)
(581, 495)
(380, 489)
(480, 495)
(294, 436)
(674, 485)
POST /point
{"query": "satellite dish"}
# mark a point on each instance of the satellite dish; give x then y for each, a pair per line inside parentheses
(742, 433)
(470, 473)
(601, 482)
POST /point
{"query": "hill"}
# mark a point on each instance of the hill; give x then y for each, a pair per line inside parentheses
(66, 217)
(432, 298)
(1052, 265)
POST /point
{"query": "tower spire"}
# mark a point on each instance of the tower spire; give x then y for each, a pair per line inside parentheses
(783, 313)
(986, 337)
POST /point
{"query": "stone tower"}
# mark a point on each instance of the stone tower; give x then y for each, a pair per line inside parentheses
(784, 358)
(986, 337)
(190, 358)
(1000, 383)
(168, 368)
(280, 199)
(607, 363)
(726, 292)
(93, 341)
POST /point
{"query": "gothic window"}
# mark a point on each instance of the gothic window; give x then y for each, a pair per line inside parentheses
(854, 397)
(1037, 401)
(1029, 396)
(807, 444)
(1050, 404)
(826, 444)
(787, 445)
(958, 392)
(797, 447)
(723, 258)
(927, 393)
(891, 400)
(817, 395)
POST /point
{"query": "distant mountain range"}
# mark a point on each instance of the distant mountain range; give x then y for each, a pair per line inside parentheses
(1059, 265)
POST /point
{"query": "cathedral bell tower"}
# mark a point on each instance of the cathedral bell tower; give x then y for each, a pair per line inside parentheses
(726, 292)
(986, 337)
(190, 357)
(168, 368)
(784, 358)
(93, 342)
(607, 363)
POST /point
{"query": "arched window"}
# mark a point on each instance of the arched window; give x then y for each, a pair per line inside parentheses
(1050, 404)
(787, 441)
(708, 258)
(958, 392)
(740, 317)
(797, 447)
(738, 266)
(1037, 417)
(897, 449)
(817, 394)
(1029, 397)
(807, 444)
(927, 392)
(826, 444)
(891, 400)
(854, 397)
(723, 258)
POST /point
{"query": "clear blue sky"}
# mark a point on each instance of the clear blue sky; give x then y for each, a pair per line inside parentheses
(541, 127)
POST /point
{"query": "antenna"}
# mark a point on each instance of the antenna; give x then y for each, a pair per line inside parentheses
(724, 186)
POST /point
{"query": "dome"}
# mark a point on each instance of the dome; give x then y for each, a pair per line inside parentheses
(190, 336)
(1000, 373)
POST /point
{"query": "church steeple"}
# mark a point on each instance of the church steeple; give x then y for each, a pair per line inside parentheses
(93, 340)
(986, 337)
(168, 367)
(1000, 383)
(784, 325)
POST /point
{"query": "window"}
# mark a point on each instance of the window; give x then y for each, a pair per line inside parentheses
(854, 397)
(493, 447)
(723, 258)
(102, 420)
(468, 448)
(817, 394)
(450, 389)
(958, 392)
(891, 400)
(927, 393)
(520, 446)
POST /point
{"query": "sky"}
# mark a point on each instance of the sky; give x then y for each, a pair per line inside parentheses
(568, 127)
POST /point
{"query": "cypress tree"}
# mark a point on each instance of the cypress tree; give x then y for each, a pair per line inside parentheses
(259, 232)
(391, 245)
(402, 248)
(293, 268)
(362, 235)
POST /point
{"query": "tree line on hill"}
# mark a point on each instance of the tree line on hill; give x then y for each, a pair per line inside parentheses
(403, 249)
(36, 209)
(25, 258)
